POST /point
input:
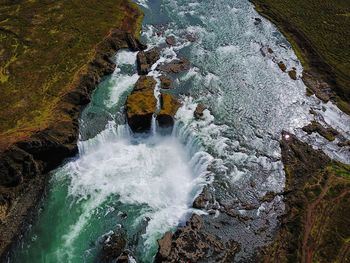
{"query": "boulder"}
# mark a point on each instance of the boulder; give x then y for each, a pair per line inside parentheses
(170, 40)
(198, 113)
(175, 66)
(145, 60)
(141, 104)
(257, 21)
(165, 82)
(282, 66)
(293, 74)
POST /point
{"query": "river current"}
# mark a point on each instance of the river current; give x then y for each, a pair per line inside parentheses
(146, 184)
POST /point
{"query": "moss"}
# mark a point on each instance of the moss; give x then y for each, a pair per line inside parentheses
(44, 46)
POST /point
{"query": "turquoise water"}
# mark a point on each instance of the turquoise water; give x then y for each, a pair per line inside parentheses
(146, 184)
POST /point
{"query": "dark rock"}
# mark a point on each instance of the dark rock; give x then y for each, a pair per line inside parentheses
(15, 164)
(257, 21)
(145, 60)
(192, 243)
(344, 144)
(282, 66)
(292, 74)
(268, 197)
(175, 66)
(270, 50)
(198, 113)
(316, 86)
(114, 246)
(191, 37)
(170, 40)
(328, 133)
(133, 43)
(202, 199)
(165, 82)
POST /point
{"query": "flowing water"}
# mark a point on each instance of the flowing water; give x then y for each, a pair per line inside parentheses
(146, 184)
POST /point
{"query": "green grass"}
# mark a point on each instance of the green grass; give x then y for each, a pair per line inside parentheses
(43, 47)
(317, 29)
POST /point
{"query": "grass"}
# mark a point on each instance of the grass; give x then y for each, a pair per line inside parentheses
(319, 32)
(43, 47)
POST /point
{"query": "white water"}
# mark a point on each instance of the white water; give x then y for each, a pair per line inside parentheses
(237, 141)
(163, 174)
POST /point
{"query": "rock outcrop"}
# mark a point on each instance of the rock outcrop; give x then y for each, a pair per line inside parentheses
(328, 133)
(192, 243)
(175, 66)
(141, 104)
(169, 107)
(145, 60)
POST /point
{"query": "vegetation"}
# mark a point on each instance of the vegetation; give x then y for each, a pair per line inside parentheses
(44, 46)
(319, 32)
(315, 226)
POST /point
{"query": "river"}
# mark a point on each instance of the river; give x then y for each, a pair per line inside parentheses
(146, 183)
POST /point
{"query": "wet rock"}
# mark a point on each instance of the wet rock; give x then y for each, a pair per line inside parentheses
(165, 82)
(133, 43)
(257, 21)
(175, 66)
(198, 113)
(328, 133)
(145, 60)
(344, 144)
(141, 104)
(268, 197)
(292, 74)
(191, 37)
(169, 107)
(316, 86)
(192, 243)
(202, 200)
(114, 246)
(170, 40)
(282, 66)
(123, 258)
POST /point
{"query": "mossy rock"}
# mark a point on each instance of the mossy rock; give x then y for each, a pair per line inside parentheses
(141, 104)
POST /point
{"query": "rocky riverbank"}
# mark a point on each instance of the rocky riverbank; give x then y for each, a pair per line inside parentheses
(26, 161)
(314, 227)
(319, 45)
